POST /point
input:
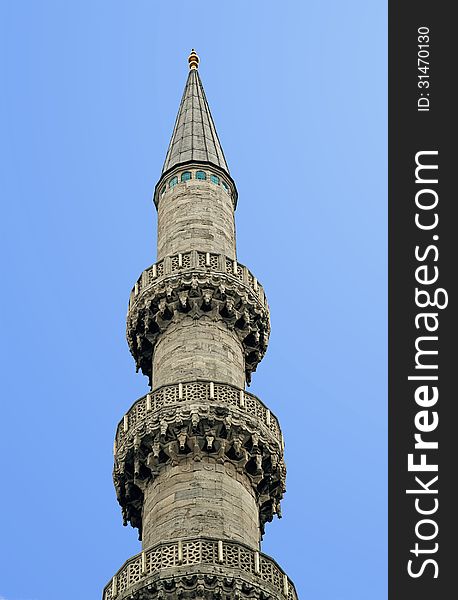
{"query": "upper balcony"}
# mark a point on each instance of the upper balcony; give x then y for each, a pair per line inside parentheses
(197, 284)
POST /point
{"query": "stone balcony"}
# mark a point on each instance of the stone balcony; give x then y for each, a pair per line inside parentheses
(177, 395)
(200, 567)
(201, 261)
(199, 421)
(199, 285)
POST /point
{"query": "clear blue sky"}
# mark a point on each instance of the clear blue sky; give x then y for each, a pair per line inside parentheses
(89, 94)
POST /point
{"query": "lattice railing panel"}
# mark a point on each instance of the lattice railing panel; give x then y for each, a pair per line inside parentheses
(203, 260)
(232, 556)
(197, 391)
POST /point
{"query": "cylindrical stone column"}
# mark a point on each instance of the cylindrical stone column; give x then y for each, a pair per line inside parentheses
(203, 498)
(195, 214)
(198, 349)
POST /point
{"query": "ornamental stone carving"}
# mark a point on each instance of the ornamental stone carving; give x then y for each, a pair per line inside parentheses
(200, 391)
(194, 295)
(189, 432)
(200, 568)
(207, 586)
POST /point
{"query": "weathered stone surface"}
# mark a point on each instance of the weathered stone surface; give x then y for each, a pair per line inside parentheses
(195, 498)
(198, 348)
(195, 215)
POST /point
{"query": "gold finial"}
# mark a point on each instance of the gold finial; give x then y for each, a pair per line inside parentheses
(193, 60)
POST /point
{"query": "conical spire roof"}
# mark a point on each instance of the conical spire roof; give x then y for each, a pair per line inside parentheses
(194, 136)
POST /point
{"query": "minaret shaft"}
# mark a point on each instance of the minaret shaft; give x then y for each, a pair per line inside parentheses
(195, 214)
(198, 349)
(199, 465)
(204, 498)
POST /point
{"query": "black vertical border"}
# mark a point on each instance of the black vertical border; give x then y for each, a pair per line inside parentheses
(411, 131)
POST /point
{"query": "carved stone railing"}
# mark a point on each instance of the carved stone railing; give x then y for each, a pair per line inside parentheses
(187, 556)
(190, 421)
(200, 261)
(198, 391)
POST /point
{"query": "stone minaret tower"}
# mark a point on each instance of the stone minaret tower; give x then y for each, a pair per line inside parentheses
(199, 463)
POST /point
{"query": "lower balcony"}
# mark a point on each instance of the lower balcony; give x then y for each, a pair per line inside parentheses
(200, 568)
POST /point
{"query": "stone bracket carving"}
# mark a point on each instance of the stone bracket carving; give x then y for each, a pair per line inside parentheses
(195, 295)
(191, 432)
(202, 586)
(197, 391)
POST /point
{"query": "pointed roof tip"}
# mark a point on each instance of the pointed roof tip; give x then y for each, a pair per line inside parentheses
(194, 136)
(193, 60)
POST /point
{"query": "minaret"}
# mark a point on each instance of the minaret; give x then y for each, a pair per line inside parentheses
(199, 465)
